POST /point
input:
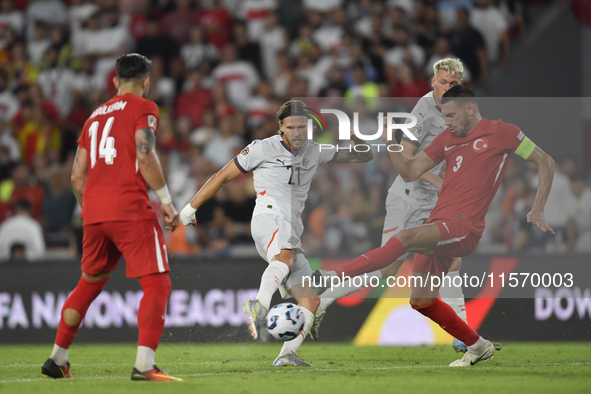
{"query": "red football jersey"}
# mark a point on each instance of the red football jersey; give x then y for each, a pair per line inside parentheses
(115, 189)
(475, 167)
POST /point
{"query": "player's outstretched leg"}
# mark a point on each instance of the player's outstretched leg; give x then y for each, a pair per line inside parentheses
(424, 300)
(272, 278)
(150, 323)
(331, 295)
(309, 304)
(453, 295)
(73, 311)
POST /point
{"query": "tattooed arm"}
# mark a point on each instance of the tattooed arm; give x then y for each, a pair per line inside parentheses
(145, 141)
(352, 156)
(149, 165)
(79, 174)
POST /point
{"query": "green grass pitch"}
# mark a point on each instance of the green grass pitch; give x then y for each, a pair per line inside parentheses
(339, 368)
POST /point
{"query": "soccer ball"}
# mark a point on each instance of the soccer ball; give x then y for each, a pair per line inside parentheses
(285, 321)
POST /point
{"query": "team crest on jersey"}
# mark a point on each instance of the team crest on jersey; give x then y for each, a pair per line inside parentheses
(245, 151)
(416, 130)
(152, 121)
(480, 144)
(520, 135)
(305, 162)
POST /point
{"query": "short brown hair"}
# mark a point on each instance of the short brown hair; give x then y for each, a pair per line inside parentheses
(291, 108)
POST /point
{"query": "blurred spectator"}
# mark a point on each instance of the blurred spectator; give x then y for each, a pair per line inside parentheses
(361, 87)
(197, 50)
(178, 22)
(138, 23)
(58, 83)
(37, 47)
(24, 230)
(193, 102)
(512, 11)
(238, 77)
(162, 89)
(247, 50)
(330, 34)
(217, 23)
(273, 40)
(254, 12)
(11, 18)
(9, 149)
(156, 43)
(81, 10)
(487, 19)
(569, 166)
(58, 202)
(238, 209)
(259, 107)
(51, 12)
(467, 43)
(442, 51)
(529, 236)
(404, 51)
(37, 135)
(409, 84)
(580, 214)
(448, 12)
(8, 103)
(283, 75)
(222, 147)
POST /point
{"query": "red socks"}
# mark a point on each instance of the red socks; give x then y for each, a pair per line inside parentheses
(444, 315)
(374, 259)
(79, 300)
(150, 315)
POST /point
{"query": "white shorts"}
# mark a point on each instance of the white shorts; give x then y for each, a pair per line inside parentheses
(271, 234)
(400, 215)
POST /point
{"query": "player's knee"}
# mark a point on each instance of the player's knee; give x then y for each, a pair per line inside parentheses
(96, 277)
(456, 265)
(310, 304)
(406, 237)
(284, 257)
(419, 302)
(158, 284)
(71, 317)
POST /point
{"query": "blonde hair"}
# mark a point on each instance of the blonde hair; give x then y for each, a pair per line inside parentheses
(452, 66)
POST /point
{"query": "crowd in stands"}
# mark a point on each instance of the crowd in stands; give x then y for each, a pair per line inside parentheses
(220, 71)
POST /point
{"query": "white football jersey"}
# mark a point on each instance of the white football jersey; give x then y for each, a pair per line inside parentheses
(281, 179)
(430, 123)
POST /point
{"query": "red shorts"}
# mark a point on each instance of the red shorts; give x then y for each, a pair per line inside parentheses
(455, 240)
(141, 243)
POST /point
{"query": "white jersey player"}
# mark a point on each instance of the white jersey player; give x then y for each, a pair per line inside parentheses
(408, 204)
(283, 167)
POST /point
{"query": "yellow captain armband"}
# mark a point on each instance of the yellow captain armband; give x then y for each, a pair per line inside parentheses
(525, 149)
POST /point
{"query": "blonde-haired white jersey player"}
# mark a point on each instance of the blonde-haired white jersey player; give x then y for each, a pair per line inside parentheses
(408, 204)
(283, 167)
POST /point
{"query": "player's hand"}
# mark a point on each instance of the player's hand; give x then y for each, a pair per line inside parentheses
(188, 215)
(170, 215)
(537, 217)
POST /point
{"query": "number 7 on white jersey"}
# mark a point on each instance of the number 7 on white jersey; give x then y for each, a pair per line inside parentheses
(107, 146)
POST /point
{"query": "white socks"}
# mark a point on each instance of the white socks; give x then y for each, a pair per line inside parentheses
(344, 289)
(454, 295)
(479, 345)
(59, 355)
(293, 345)
(144, 360)
(270, 281)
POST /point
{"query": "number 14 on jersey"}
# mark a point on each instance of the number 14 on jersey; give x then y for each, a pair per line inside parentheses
(106, 148)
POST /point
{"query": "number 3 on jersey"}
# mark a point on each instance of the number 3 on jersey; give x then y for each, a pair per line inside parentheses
(106, 149)
(459, 160)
